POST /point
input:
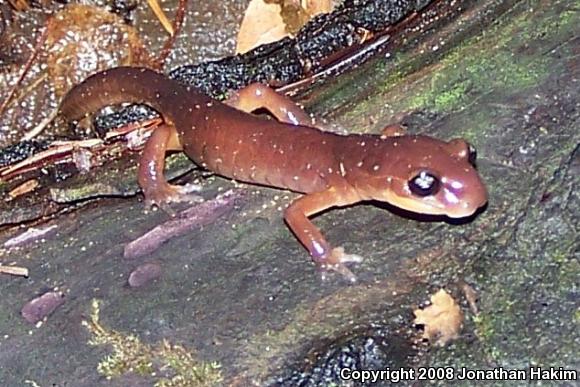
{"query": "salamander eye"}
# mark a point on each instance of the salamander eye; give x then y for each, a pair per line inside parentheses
(472, 157)
(424, 184)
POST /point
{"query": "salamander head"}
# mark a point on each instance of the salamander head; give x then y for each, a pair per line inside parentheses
(430, 176)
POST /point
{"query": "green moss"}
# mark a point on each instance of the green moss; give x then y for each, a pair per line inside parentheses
(177, 160)
(567, 273)
(448, 98)
(479, 66)
(177, 365)
(466, 75)
(188, 371)
(129, 354)
(483, 326)
(508, 56)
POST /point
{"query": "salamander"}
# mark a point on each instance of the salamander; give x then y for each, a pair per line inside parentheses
(414, 172)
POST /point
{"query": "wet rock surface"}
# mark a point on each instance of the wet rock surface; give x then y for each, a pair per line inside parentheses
(242, 292)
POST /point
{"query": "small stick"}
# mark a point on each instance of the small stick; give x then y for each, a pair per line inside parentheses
(39, 43)
(177, 24)
(14, 270)
(40, 127)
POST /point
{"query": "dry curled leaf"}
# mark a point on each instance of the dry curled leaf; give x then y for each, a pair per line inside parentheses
(267, 21)
(443, 319)
(83, 39)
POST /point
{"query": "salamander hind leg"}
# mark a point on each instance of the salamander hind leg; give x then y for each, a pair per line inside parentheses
(256, 96)
(326, 257)
(158, 192)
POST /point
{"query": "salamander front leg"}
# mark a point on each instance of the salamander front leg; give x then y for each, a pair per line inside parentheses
(326, 257)
(151, 179)
(256, 96)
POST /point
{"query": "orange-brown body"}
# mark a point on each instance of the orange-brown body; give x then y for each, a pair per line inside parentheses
(416, 173)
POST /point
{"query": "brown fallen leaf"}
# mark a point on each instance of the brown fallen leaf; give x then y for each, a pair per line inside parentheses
(19, 5)
(83, 39)
(443, 319)
(74, 42)
(315, 7)
(267, 21)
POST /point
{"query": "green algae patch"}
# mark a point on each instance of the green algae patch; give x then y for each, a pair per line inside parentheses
(130, 355)
(481, 64)
(466, 74)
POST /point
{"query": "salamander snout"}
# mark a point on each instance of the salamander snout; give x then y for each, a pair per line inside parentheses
(463, 189)
(462, 198)
(432, 177)
(456, 192)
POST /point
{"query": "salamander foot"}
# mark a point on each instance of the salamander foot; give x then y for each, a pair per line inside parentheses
(336, 262)
(165, 194)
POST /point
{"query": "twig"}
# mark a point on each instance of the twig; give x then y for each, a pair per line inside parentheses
(177, 24)
(14, 270)
(40, 127)
(29, 62)
(28, 89)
